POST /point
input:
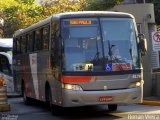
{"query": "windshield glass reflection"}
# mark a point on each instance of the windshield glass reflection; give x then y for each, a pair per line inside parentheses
(91, 47)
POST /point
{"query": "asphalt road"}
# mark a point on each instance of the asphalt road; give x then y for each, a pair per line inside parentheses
(38, 111)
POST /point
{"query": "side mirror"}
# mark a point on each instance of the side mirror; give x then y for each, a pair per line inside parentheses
(142, 44)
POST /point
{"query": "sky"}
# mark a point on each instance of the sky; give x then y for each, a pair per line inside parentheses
(6, 42)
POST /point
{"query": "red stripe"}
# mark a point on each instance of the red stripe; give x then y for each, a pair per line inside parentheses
(69, 79)
(25, 80)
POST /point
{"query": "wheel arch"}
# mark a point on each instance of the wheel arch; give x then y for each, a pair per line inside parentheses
(47, 87)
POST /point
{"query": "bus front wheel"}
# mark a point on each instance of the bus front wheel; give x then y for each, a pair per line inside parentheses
(55, 110)
(112, 107)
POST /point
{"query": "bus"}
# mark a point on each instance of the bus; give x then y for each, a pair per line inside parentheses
(6, 70)
(6, 63)
(80, 59)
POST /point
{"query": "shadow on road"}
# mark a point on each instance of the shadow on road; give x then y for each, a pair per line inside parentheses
(37, 109)
(88, 112)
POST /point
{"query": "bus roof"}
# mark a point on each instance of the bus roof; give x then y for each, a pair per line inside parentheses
(93, 14)
(9, 56)
(74, 15)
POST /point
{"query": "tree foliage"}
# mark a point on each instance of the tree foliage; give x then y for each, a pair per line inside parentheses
(156, 9)
(20, 14)
(158, 27)
(102, 4)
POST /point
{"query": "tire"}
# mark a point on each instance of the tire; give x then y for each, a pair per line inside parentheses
(112, 107)
(26, 99)
(55, 110)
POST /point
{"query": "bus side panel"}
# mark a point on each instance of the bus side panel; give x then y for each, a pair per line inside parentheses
(35, 70)
(48, 74)
(42, 73)
(18, 71)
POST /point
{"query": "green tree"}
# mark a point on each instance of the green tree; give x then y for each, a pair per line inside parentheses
(102, 4)
(29, 2)
(20, 14)
(158, 27)
(156, 8)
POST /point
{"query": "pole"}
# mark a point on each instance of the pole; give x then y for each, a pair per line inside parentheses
(144, 1)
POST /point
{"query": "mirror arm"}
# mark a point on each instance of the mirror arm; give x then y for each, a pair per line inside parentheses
(142, 44)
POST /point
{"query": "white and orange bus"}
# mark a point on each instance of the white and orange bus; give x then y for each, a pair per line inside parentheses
(79, 59)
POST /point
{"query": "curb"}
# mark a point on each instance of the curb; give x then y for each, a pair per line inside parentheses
(148, 102)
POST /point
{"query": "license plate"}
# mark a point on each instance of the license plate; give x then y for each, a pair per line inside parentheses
(105, 98)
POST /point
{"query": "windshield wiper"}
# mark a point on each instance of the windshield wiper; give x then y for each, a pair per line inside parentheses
(110, 48)
(111, 56)
(96, 57)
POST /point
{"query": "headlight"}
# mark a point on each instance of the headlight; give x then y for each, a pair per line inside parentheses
(71, 87)
(133, 85)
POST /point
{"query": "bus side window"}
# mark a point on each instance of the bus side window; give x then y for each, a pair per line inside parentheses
(34, 41)
(55, 44)
(18, 45)
(14, 46)
(23, 44)
(4, 65)
(39, 35)
(26, 43)
(29, 43)
(37, 40)
(27, 37)
(55, 36)
(45, 37)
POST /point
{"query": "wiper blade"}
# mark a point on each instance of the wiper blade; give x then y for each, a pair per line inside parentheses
(110, 48)
(112, 56)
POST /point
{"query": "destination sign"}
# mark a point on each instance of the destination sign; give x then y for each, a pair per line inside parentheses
(80, 22)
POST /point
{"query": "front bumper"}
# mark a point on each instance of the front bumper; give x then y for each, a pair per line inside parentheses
(83, 98)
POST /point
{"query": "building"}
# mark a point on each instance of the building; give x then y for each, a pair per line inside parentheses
(133, 1)
(6, 62)
(145, 18)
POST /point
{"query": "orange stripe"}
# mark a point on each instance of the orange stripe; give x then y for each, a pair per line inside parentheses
(25, 80)
(68, 79)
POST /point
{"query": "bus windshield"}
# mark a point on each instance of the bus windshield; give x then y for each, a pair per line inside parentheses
(105, 44)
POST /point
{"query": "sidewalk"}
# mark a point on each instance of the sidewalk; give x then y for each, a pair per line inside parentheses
(151, 101)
